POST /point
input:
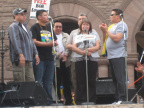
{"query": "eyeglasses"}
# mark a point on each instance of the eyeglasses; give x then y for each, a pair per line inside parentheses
(58, 26)
(113, 14)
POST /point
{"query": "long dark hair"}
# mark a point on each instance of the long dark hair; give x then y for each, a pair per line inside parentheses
(85, 21)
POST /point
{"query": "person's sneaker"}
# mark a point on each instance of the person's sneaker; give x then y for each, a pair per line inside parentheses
(119, 102)
(114, 103)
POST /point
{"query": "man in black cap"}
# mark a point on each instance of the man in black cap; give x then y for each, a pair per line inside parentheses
(22, 48)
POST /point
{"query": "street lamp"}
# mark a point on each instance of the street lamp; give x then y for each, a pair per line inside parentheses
(2, 35)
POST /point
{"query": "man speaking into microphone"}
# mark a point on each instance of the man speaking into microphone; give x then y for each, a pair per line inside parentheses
(113, 37)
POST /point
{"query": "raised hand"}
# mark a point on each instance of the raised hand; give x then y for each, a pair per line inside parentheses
(140, 67)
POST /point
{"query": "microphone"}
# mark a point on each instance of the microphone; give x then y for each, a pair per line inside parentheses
(86, 42)
(121, 15)
(50, 18)
(85, 31)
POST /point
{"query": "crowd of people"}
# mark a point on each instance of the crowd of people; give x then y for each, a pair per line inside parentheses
(31, 53)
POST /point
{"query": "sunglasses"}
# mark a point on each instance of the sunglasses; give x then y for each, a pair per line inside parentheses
(113, 14)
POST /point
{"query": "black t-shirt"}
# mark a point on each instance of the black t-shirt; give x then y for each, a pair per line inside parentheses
(40, 33)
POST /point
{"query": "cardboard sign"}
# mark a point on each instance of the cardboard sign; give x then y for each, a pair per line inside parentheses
(39, 5)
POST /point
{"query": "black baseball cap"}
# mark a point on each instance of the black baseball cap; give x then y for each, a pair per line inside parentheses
(18, 11)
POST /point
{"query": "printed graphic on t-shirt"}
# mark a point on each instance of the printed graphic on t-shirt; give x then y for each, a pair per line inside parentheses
(45, 36)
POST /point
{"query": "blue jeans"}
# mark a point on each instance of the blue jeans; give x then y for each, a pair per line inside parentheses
(44, 74)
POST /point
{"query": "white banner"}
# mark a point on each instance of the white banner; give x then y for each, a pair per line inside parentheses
(81, 38)
(39, 5)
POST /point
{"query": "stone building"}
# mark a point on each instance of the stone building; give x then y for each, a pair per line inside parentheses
(98, 11)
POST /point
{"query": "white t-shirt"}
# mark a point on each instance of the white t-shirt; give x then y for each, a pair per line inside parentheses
(24, 28)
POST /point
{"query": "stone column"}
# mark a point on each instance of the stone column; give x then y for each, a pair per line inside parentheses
(131, 61)
(130, 69)
(102, 67)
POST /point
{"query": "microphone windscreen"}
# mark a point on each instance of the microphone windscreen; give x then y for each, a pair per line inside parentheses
(50, 18)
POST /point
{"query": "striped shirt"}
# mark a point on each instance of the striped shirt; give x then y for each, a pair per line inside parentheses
(21, 42)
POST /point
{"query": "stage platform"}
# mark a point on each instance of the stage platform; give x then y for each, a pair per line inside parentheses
(89, 106)
(96, 106)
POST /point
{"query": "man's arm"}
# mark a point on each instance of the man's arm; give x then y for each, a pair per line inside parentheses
(116, 37)
(38, 43)
(13, 33)
(16, 43)
(102, 29)
(44, 44)
(36, 53)
(104, 36)
(69, 41)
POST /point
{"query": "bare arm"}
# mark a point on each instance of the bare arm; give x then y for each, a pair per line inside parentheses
(116, 37)
(69, 42)
(95, 48)
(77, 50)
(69, 46)
(21, 60)
(44, 44)
(102, 29)
(104, 36)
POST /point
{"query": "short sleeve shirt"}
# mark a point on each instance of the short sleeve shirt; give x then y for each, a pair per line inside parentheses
(116, 49)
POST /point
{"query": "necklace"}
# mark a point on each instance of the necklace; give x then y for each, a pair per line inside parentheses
(42, 28)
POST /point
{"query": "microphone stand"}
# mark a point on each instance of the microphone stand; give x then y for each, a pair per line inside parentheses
(55, 73)
(87, 85)
(125, 40)
(86, 46)
(142, 56)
